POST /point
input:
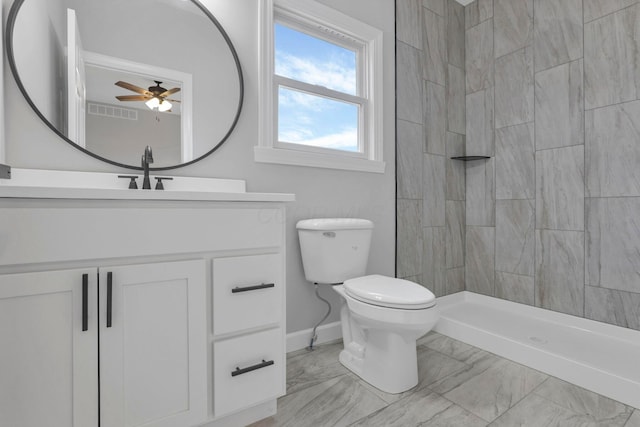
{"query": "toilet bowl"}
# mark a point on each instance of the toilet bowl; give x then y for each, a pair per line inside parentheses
(382, 318)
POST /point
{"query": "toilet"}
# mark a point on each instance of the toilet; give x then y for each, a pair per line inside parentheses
(382, 317)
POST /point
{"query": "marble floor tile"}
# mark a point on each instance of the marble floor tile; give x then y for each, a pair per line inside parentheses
(634, 420)
(308, 368)
(413, 410)
(454, 416)
(601, 409)
(458, 350)
(434, 366)
(535, 411)
(337, 402)
(496, 389)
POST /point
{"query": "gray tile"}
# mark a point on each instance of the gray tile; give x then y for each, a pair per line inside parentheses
(433, 366)
(434, 269)
(455, 100)
(558, 34)
(611, 55)
(594, 9)
(515, 162)
(455, 34)
(435, 118)
(409, 22)
(434, 188)
(612, 150)
(409, 160)
(479, 260)
(515, 241)
(479, 133)
(455, 233)
(458, 350)
(409, 83)
(496, 389)
(480, 194)
(454, 416)
(434, 34)
(308, 368)
(560, 271)
(412, 410)
(634, 420)
(455, 280)
(474, 366)
(513, 25)
(479, 56)
(610, 306)
(514, 88)
(559, 106)
(477, 12)
(534, 411)
(602, 409)
(455, 168)
(337, 402)
(613, 243)
(437, 6)
(409, 237)
(516, 288)
(560, 188)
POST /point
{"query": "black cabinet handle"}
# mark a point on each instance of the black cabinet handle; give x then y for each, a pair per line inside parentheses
(239, 371)
(252, 288)
(85, 302)
(109, 298)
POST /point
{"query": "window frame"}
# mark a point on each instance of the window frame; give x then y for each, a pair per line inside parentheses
(324, 23)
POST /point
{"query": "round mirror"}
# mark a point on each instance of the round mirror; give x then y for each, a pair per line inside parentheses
(111, 77)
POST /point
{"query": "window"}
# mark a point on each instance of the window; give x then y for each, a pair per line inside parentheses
(321, 88)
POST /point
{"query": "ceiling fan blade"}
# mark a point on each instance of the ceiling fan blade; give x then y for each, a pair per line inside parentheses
(134, 88)
(133, 98)
(169, 92)
(171, 100)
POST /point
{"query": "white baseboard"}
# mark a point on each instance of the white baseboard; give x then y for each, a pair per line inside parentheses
(301, 339)
(599, 357)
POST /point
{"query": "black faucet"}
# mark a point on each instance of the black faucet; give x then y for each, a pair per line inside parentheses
(147, 159)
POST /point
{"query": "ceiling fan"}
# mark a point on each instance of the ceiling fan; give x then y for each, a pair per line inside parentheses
(155, 96)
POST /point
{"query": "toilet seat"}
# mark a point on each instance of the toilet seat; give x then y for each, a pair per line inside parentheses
(389, 292)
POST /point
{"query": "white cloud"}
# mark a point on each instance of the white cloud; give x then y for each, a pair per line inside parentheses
(348, 138)
(328, 74)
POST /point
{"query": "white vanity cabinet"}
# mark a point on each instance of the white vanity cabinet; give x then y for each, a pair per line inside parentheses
(183, 303)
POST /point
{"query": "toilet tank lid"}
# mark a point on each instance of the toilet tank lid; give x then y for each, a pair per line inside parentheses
(390, 292)
(325, 224)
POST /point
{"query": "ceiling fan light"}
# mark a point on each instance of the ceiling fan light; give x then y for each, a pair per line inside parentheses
(164, 105)
(153, 103)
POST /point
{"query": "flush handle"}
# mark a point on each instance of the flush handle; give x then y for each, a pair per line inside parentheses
(329, 234)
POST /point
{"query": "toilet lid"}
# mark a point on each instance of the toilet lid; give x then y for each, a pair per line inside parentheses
(389, 292)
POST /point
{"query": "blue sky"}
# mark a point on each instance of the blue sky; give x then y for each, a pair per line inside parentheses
(309, 119)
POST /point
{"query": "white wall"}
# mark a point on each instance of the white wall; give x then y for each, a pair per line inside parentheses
(319, 192)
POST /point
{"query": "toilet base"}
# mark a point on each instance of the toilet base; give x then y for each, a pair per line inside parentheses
(389, 363)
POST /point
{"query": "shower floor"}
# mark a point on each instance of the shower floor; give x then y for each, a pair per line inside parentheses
(594, 355)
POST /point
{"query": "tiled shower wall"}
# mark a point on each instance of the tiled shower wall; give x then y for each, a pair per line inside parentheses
(553, 96)
(430, 129)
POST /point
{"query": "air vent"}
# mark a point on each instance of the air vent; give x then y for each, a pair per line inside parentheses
(111, 111)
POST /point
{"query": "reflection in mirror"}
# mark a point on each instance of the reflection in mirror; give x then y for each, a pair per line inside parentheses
(115, 76)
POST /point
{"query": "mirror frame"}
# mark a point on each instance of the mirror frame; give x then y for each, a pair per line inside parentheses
(11, 19)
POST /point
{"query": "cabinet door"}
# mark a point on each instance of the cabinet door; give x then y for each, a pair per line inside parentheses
(153, 345)
(49, 354)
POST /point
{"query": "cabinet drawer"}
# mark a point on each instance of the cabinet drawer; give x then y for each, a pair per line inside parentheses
(248, 370)
(247, 292)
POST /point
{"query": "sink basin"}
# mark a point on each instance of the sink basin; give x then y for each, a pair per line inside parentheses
(110, 181)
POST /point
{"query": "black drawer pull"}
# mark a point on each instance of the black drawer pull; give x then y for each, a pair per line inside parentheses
(85, 302)
(252, 288)
(239, 371)
(109, 299)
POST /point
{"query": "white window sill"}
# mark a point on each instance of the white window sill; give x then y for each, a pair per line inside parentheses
(303, 158)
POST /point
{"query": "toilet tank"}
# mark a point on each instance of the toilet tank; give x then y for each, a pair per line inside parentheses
(334, 249)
